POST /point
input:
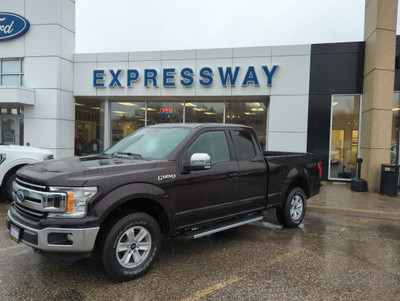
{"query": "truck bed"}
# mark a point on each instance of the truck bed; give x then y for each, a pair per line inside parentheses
(284, 168)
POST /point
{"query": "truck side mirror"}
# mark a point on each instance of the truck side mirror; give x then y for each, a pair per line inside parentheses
(199, 161)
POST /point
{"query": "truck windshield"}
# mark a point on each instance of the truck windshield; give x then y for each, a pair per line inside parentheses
(150, 143)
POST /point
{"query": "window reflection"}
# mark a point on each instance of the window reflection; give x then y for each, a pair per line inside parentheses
(12, 72)
(126, 117)
(89, 128)
(204, 112)
(249, 113)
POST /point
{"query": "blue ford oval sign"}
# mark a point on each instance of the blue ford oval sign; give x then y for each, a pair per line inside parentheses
(12, 26)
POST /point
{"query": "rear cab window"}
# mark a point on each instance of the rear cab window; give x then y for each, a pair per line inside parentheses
(244, 145)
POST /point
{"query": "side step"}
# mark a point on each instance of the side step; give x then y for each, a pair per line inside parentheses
(188, 235)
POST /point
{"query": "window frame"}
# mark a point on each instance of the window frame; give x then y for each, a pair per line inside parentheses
(331, 178)
(20, 74)
(184, 156)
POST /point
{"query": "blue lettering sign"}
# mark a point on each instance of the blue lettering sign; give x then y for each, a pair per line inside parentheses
(98, 78)
(150, 75)
(228, 77)
(169, 77)
(206, 73)
(269, 74)
(187, 77)
(12, 26)
(251, 77)
(132, 76)
(115, 81)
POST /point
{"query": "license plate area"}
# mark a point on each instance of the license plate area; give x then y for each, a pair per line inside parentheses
(15, 233)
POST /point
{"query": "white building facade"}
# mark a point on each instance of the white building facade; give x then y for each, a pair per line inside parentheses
(298, 98)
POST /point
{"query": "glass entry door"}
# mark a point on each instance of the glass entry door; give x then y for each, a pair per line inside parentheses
(345, 125)
(11, 129)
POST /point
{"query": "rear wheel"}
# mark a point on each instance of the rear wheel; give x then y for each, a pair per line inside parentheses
(130, 247)
(292, 213)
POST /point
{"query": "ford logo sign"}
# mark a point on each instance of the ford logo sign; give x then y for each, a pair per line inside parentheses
(12, 26)
(20, 196)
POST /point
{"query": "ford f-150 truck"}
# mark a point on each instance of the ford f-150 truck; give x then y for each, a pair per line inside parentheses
(182, 181)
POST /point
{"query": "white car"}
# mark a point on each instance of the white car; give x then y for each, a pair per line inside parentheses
(12, 158)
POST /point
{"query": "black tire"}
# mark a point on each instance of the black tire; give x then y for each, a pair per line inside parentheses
(293, 211)
(141, 251)
(7, 189)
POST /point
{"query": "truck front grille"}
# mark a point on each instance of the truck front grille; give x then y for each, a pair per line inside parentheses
(35, 200)
(28, 211)
(29, 184)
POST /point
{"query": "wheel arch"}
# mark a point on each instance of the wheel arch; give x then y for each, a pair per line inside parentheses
(11, 171)
(300, 182)
(143, 204)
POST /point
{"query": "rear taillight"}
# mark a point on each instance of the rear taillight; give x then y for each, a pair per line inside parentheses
(319, 165)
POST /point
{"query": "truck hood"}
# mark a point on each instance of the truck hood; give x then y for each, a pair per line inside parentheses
(75, 171)
(23, 149)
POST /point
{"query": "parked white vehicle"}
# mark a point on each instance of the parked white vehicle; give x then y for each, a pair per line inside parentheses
(12, 158)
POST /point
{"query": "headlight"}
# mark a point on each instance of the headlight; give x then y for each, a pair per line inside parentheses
(48, 157)
(74, 203)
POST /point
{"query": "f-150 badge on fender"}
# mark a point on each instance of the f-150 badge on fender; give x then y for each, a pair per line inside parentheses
(167, 177)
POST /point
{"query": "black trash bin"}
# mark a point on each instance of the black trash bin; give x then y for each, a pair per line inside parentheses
(389, 179)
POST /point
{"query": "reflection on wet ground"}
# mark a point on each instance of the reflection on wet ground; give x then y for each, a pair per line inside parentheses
(330, 257)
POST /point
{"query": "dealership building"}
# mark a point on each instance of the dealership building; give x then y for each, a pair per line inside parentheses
(340, 100)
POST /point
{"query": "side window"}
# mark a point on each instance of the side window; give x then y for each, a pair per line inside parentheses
(244, 145)
(213, 143)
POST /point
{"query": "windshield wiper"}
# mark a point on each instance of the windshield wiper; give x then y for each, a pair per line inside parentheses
(136, 156)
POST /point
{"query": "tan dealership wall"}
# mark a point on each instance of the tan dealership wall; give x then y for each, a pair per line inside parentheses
(380, 49)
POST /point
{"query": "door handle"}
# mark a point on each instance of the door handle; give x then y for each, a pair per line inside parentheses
(233, 175)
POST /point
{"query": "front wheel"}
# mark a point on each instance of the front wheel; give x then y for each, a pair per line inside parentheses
(7, 190)
(292, 213)
(130, 247)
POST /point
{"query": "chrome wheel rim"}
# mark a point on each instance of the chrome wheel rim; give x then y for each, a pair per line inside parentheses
(296, 207)
(133, 247)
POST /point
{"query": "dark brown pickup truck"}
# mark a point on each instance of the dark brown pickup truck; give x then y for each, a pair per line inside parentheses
(182, 181)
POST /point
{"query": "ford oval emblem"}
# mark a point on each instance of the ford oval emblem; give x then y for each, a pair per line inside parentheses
(12, 26)
(20, 196)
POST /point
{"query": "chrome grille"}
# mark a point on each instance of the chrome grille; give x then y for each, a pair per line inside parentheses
(30, 212)
(31, 184)
(33, 199)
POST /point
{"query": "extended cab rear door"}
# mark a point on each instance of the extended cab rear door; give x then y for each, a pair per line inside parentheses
(211, 193)
(252, 167)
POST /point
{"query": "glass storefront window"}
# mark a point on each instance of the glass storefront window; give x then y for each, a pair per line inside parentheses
(204, 112)
(164, 112)
(126, 117)
(249, 113)
(344, 136)
(89, 127)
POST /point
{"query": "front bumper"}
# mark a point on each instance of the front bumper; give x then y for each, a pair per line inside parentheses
(55, 239)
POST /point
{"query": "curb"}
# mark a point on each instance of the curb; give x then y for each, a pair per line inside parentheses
(354, 212)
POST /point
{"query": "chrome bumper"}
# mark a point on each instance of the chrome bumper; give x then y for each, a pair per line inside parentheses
(76, 240)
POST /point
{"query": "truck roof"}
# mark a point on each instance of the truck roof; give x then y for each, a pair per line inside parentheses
(199, 125)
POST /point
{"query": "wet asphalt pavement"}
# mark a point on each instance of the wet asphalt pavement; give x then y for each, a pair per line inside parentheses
(329, 257)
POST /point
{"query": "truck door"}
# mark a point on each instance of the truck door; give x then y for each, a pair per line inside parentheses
(253, 171)
(210, 193)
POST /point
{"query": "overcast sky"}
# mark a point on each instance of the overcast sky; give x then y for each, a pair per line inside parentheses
(143, 25)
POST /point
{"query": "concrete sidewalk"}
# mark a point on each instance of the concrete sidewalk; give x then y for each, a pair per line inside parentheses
(337, 197)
